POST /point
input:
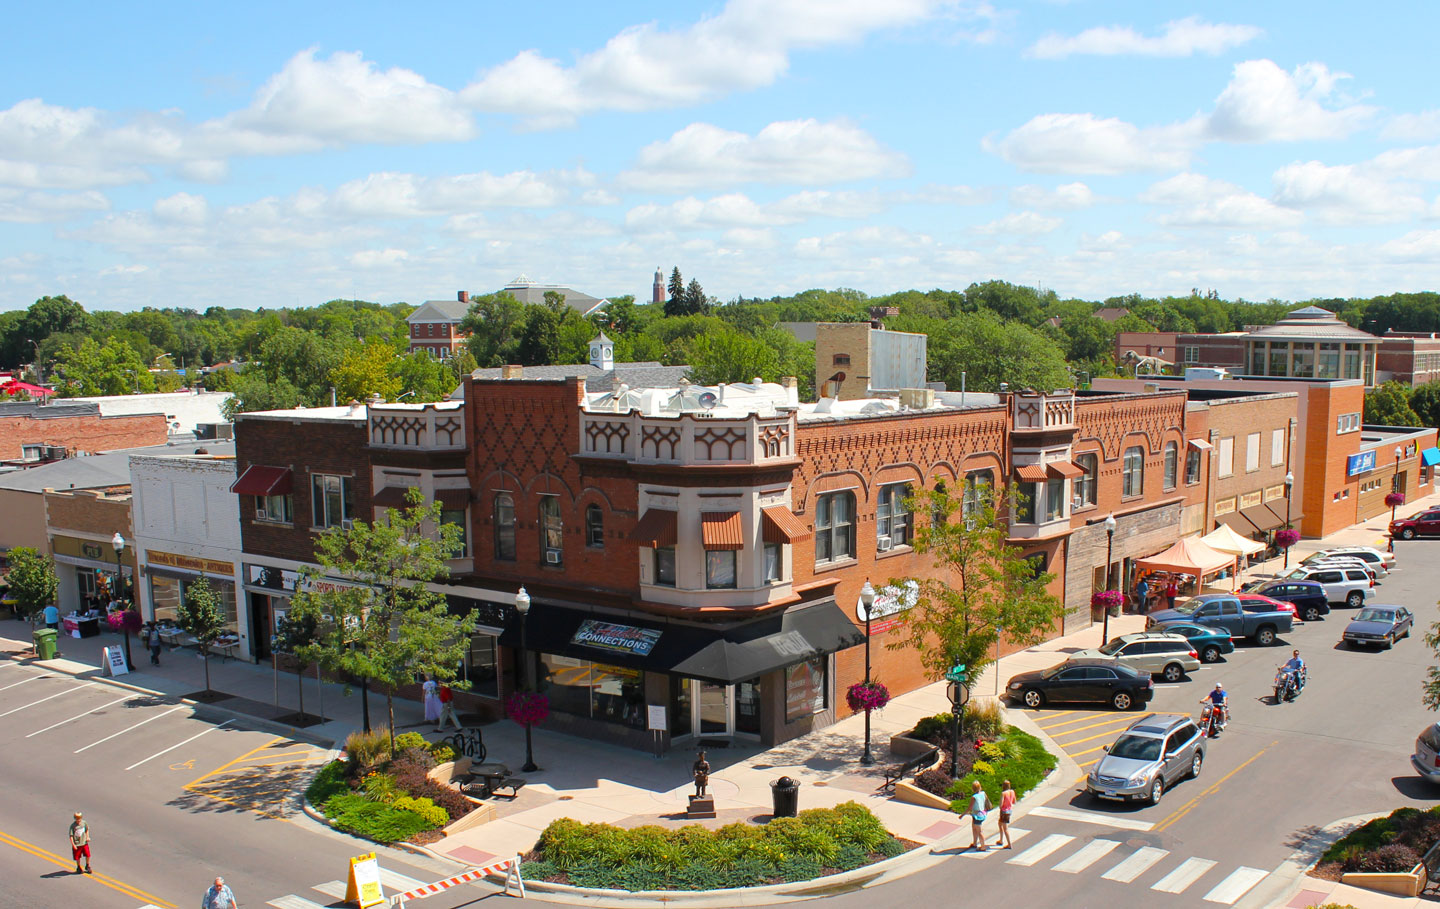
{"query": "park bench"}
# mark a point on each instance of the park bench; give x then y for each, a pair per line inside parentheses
(513, 783)
(896, 772)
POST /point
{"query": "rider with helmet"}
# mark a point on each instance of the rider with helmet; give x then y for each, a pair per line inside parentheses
(1218, 701)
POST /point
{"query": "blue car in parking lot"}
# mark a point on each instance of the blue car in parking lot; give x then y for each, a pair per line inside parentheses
(1210, 643)
(1308, 596)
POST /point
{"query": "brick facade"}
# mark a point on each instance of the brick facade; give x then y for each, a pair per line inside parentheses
(75, 427)
(1409, 357)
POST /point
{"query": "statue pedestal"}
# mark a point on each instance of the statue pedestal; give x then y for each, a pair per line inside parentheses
(701, 806)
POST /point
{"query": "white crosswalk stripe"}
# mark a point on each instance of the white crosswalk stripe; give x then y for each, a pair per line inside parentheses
(1041, 850)
(292, 901)
(1016, 833)
(1186, 874)
(394, 880)
(1236, 885)
(332, 889)
(1137, 864)
(1088, 855)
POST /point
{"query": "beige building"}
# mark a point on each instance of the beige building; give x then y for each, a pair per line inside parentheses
(852, 359)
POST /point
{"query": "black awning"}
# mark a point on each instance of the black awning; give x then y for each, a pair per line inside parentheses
(713, 653)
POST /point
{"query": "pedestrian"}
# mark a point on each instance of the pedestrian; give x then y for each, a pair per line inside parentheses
(1142, 596)
(80, 843)
(218, 896)
(447, 709)
(1007, 808)
(52, 617)
(979, 805)
(1172, 590)
(431, 699)
(152, 640)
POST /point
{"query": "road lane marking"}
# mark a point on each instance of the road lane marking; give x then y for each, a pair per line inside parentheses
(31, 679)
(294, 902)
(1188, 873)
(1076, 754)
(1104, 735)
(50, 698)
(237, 760)
(1185, 809)
(1015, 834)
(1041, 849)
(1089, 817)
(123, 731)
(1112, 721)
(1236, 885)
(1074, 719)
(1088, 855)
(103, 880)
(79, 715)
(1137, 864)
(177, 745)
(397, 881)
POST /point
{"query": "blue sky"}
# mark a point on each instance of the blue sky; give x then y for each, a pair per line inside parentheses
(271, 155)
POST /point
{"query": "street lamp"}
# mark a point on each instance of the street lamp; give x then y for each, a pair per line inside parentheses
(867, 600)
(522, 606)
(959, 692)
(1289, 485)
(1109, 551)
(39, 366)
(117, 542)
(1394, 488)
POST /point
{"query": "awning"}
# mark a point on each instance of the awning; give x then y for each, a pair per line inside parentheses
(1277, 507)
(656, 529)
(1430, 457)
(1200, 445)
(1064, 469)
(1262, 517)
(779, 524)
(1226, 539)
(263, 481)
(1030, 473)
(453, 499)
(1236, 522)
(390, 497)
(1187, 556)
(722, 530)
(718, 653)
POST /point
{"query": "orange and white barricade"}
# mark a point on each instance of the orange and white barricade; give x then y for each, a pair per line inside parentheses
(510, 866)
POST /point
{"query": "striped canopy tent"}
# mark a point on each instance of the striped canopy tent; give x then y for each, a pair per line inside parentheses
(1188, 556)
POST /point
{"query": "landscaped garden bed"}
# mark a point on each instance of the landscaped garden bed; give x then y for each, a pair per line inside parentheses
(819, 842)
(990, 752)
(388, 796)
(1390, 844)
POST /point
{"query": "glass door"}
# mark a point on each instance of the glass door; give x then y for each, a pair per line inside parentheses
(713, 714)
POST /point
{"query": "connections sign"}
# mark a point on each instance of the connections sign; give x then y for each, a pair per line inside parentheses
(616, 638)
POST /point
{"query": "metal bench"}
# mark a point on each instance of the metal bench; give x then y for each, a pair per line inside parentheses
(896, 772)
(513, 783)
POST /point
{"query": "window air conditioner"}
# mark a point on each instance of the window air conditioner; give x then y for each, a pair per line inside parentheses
(552, 557)
(347, 524)
(883, 544)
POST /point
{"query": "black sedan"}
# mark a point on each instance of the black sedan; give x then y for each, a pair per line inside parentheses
(1087, 681)
(1379, 626)
(1308, 596)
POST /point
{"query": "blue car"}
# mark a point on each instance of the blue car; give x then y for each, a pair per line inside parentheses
(1209, 642)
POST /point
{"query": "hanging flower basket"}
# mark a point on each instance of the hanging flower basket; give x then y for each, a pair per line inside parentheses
(867, 696)
(528, 708)
(1107, 599)
(1394, 499)
(124, 620)
(1287, 537)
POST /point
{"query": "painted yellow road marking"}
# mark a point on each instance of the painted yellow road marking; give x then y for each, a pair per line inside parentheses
(1071, 718)
(184, 765)
(1104, 735)
(1087, 751)
(129, 890)
(1185, 809)
(228, 764)
(1113, 721)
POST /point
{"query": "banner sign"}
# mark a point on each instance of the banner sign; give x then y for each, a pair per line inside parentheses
(616, 638)
(1359, 463)
(189, 563)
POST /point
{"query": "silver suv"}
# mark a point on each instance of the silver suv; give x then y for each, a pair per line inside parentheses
(1351, 586)
(1156, 652)
(1149, 757)
(1382, 562)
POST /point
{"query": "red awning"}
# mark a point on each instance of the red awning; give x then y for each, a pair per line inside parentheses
(263, 481)
(779, 524)
(453, 499)
(657, 529)
(15, 387)
(1064, 469)
(722, 530)
(390, 497)
(1031, 473)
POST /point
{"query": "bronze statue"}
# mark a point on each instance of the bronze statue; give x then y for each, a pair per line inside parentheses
(701, 768)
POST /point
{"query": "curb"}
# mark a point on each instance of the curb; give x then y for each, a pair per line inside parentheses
(1283, 883)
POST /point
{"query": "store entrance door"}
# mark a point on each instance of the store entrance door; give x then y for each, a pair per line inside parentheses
(714, 710)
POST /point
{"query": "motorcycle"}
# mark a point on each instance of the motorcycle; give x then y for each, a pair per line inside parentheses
(1288, 685)
(1213, 718)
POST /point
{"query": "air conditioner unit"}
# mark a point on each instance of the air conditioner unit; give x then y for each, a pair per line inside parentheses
(1077, 502)
(552, 557)
(883, 544)
(347, 524)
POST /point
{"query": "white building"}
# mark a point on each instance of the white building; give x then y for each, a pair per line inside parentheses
(183, 410)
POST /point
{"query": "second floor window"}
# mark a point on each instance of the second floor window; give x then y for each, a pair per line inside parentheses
(457, 517)
(1172, 464)
(505, 527)
(720, 568)
(594, 526)
(1025, 496)
(773, 565)
(835, 527)
(552, 538)
(1192, 467)
(979, 486)
(273, 508)
(1134, 472)
(1054, 499)
(892, 519)
(665, 566)
(331, 499)
(1084, 484)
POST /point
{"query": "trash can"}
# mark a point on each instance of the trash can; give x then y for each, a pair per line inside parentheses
(785, 797)
(45, 643)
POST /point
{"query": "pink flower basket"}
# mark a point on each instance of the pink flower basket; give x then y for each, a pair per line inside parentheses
(528, 708)
(1394, 499)
(867, 696)
(1107, 599)
(1287, 537)
(124, 620)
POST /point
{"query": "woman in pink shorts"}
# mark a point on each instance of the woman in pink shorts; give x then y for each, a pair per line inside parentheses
(1007, 807)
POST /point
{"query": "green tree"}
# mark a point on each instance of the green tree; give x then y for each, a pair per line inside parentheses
(32, 580)
(305, 359)
(294, 635)
(425, 378)
(729, 356)
(985, 584)
(389, 626)
(1425, 402)
(1389, 405)
(366, 371)
(200, 615)
(696, 303)
(675, 296)
(251, 391)
(990, 351)
(110, 369)
(494, 323)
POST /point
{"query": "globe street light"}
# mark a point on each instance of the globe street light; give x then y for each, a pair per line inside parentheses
(117, 542)
(867, 600)
(522, 606)
(1109, 551)
(1289, 485)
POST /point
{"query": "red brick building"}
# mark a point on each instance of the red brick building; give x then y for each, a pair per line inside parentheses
(1409, 357)
(27, 428)
(435, 326)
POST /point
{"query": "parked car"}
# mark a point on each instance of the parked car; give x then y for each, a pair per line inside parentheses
(1254, 602)
(1078, 681)
(1222, 610)
(1155, 652)
(1424, 524)
(1346, 562)
(1426, 759)
(1149, 757)
(1351, 586)
(1210, 643)
(1307, 598)
(1379, 626)
(1383, 562)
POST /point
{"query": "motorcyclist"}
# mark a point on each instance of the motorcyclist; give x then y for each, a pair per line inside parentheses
(1218, 701)
(1296, 667)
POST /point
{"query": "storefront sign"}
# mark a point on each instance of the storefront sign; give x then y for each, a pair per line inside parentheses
(616, 638)
(270, 577)
(91, 550)
(115, 661)
(189, 563)
(1250, 499)
(1275, 492)
(889, 600)
(1359, 463)
(1224, 506)
(791, 643)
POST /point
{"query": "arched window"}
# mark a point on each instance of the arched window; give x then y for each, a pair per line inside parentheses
(834, 527)
(594, 526)
(1134, 472)
(552, 538)
(505, 527)
(1172, 464)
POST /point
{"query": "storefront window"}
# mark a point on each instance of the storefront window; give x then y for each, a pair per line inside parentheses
(720, 568)
(482, 666)
(167, 590)
(665, 566)
(747, 707)
(610, 694)
(680, 705)
(805, 689)
(1279, 358)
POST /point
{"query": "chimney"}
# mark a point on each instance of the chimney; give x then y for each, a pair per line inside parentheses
(463, 296)
(792, 390)
(512, 372)
(377, 398)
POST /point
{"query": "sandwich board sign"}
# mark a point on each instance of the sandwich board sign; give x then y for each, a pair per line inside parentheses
(115, 661)
(365, 889)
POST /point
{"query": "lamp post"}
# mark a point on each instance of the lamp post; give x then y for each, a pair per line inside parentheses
(1289, 485)
(1109, 551)
(867, 600)
(959, 692)
(117, 542)
(522, 606)
(1395, 487)
(39, 366)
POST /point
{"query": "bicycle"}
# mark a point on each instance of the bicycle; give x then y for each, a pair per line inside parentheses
(468, 743)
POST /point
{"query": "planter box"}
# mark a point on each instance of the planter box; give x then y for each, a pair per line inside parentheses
(906, 748)
(914, 795)
(445, 773)
(484, 813)
(1400, 883)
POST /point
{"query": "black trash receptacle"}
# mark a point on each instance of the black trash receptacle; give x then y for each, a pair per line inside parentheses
(785, 797)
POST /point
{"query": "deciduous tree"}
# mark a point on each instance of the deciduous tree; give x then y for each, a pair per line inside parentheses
(32, 580)
(199, 613)
(1389, 405)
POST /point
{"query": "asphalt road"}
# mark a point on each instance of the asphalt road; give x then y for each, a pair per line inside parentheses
(173, 799)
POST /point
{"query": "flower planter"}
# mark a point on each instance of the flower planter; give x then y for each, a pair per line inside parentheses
(1401, 883)
(914, 795)
(906, 748)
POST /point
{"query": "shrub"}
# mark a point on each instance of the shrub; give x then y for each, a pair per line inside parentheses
(409, 772)
(1025, 771)
(419, 757)
(442, 753)
(410, 740)
(366, 749)
(433, 814)
(373, 820)
(1393, 857)
(379, 787)
(800, 868)
(892, 847)
(1407, 826)
(992, 752)
(984, 720)
(538, 871)
(329, 782)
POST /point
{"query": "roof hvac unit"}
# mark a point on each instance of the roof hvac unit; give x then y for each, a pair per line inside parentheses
(209, 431)
(54, 452)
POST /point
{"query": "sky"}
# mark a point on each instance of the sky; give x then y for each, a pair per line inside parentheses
(266, 154)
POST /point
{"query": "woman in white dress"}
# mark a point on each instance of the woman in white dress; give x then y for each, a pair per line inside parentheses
(432, 700)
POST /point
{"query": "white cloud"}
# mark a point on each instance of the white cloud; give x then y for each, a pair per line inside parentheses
(396, 195)
(790, 151)
(1067, 196)
(123, 270)
(1025, 223)
(730, 210)
(182, 208)
(32, 207)
(1417, 246)
(379, 258)
(745, 46)
(1199, 201)
(1263, 103)
(1345, 193)
(1424, 125)
(1084, 143)
(1180, 38)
